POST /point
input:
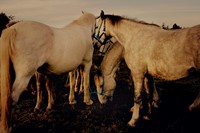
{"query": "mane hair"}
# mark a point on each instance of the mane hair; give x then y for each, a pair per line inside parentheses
(115, 19)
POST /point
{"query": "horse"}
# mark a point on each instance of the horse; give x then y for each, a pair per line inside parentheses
(104, 78)
(150, 51)
(30, 46)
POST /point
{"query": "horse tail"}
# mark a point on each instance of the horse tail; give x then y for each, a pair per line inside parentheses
(7, 48)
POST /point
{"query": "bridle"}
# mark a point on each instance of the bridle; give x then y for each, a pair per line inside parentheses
(98, 36)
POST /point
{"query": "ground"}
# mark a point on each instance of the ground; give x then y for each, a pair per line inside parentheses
(172, 115)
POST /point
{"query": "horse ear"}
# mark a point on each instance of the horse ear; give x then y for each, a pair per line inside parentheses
(102, 14)
(83, 12)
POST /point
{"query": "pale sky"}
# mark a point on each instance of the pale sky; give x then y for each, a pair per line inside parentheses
(59, 13)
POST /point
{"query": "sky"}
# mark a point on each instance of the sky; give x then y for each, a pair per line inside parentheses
(58, 13)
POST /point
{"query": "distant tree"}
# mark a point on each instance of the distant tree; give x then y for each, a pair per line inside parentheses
(175, 26)
(4, 19)
(165, 27)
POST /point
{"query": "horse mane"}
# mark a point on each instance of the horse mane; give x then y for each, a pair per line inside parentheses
(115, 19)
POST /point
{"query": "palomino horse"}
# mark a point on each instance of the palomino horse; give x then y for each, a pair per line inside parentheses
(150, 50)
(105, 77)
(30, 46)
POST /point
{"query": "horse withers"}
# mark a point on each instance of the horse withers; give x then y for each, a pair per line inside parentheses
(151, 50)
(29, 46)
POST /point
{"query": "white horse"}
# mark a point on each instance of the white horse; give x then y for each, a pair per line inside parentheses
(105, 78)
(150, 50)
(30, 46)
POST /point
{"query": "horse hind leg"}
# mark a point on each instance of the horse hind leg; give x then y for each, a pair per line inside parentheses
(82, 79)
(76, 78)
(39, 91)
(19, 85)
(195, 104)
(49, 88)
(72, 89)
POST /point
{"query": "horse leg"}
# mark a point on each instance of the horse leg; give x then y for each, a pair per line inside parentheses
(155, 95)
(82, 79)
(50, 94)
(196, 103)
(76, 77)
(39, 91)
(138, 85)
(20, 84)
(86, 76)
(71, 92)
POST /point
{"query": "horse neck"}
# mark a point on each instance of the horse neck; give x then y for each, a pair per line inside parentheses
(112, 60)
(126, 30)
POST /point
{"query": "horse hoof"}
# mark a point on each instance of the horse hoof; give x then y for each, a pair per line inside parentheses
(72, 102)
(89, 103)
(130, 124)
(36, 110)
(48, 109)
(146, 117)
(155, 104)
(132, 109)
(190, 108)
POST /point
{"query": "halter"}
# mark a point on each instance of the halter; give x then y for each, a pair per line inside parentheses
(97, 36)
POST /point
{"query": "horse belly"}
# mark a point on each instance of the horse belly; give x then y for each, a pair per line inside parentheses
(170, 72)
(63, 67)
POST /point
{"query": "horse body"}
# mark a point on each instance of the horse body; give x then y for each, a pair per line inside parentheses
(30, 46)
(163, 54)
(148, 49)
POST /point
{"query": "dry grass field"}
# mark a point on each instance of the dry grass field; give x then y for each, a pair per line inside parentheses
(171, 116)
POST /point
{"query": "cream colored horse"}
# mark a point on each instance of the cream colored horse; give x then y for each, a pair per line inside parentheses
(30, 46)
(150, 50)
(105, 77)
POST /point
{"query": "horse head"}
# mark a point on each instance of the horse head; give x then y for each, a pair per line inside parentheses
(100, 34)
(105, 87)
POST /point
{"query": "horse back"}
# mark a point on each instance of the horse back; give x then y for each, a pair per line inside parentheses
(174, 53)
